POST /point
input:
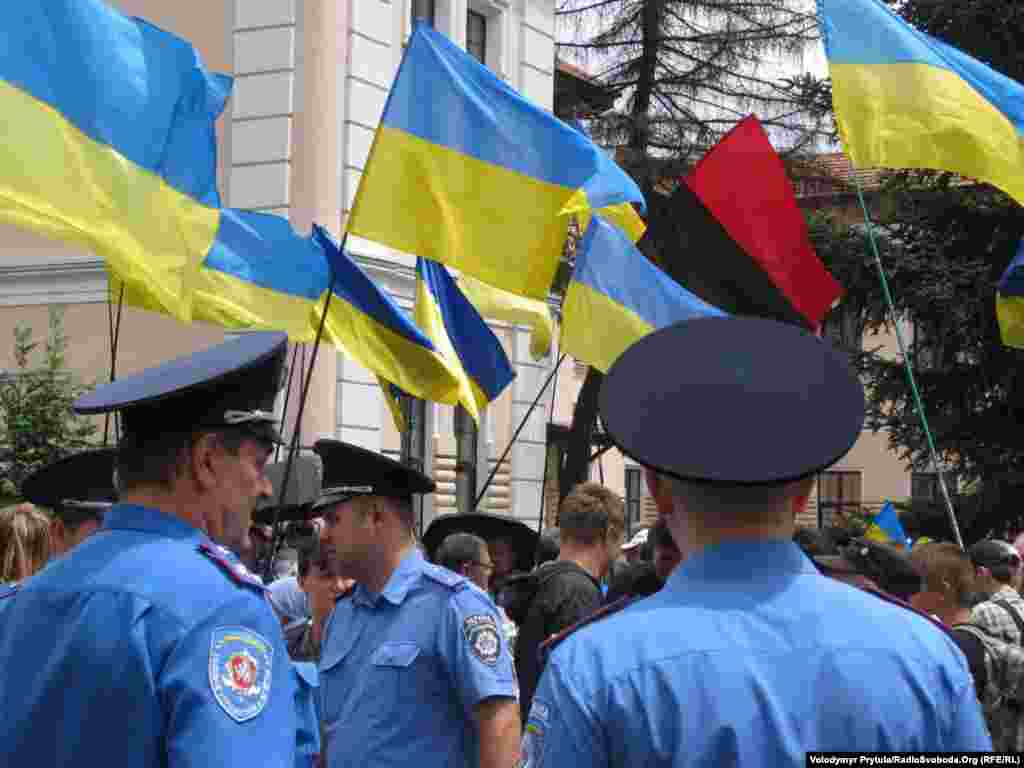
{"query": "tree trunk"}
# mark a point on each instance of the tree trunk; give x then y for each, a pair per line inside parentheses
(584, 419)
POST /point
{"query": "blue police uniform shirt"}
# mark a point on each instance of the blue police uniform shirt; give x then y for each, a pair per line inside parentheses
(146, 646)
(401, 672)
(753, 658)
(307, 713)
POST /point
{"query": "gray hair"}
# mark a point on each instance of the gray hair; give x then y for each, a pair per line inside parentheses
(457, 549)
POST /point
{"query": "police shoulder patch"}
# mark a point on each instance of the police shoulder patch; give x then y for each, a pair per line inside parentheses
(241, 666)
(235, 570)
(481, 633)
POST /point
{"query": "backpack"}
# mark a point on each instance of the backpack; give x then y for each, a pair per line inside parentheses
(1005, 605)
(1001, 690)
(519, 590)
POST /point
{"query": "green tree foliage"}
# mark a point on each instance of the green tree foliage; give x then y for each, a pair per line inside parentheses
(949, 241)
(37, 425)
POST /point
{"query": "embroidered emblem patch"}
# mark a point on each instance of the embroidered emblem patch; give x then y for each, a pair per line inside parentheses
(240, 671)
(481, 631)
(531, 752)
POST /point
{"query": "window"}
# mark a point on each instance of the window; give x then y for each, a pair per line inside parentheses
(924, 486)
(424, 10)
(634, 498)
(839, 494)
(476, 36)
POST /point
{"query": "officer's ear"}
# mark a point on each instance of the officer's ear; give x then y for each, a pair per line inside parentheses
(660, 491)
(205, 460)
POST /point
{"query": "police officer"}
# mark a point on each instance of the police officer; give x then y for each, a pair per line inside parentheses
(413, 668)
(150, 645)
(751, 655)
(77, 490)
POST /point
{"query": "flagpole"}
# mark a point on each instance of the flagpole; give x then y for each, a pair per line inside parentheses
(288, 390)
(276, 538)
(918, 403)
(115, 337)
(544, 478)
(515, 435)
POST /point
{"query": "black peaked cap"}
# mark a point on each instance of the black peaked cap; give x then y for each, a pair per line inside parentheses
(350, 470)
(75, 487)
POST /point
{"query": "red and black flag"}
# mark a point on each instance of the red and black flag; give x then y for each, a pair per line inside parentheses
(743, 239)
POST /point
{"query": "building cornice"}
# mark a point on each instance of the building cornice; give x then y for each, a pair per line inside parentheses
(53, 282)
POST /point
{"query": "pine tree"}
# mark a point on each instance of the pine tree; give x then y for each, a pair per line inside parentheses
(37, 425)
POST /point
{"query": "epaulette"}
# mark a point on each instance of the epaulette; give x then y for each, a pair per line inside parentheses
(6, 590)
(236, 571)
(444, 577)
(883, 595)
(549, 645)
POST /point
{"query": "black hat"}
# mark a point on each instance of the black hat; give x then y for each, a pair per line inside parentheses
(890, 569)
(351, 471)
(990, 553)
(75, 488)
(733, 400)
(304, 486)
(233, 384)
(521, 537)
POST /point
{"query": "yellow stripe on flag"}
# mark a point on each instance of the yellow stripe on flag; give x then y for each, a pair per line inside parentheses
(477, 217)
(147, 231)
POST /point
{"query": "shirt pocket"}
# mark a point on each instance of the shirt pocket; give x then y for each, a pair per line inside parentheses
(402, 669)
(395, 655)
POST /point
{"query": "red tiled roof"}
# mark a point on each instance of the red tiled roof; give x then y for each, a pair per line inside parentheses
(835, 172)
(572, 69)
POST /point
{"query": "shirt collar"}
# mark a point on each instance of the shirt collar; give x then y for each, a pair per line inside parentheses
(749, 559)
(133, 517)
(400, 582)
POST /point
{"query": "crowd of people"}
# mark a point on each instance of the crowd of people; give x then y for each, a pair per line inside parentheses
(721, 634)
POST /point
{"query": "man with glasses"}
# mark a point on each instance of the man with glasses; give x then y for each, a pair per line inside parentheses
(77, 491)
(467, 555)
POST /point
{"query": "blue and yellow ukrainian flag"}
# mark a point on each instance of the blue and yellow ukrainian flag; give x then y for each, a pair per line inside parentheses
(906, 100)
(616, 297)
(367, 325)
(885, 527)
(393, 400)
(258, 275)
(1010, 301)
(466, 172)
(449, 320)
(497, 304)
(107, 140)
